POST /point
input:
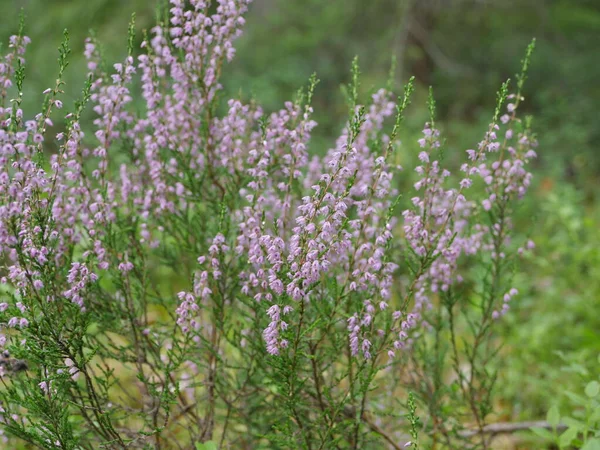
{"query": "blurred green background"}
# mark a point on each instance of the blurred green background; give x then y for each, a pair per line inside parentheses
(465, 49)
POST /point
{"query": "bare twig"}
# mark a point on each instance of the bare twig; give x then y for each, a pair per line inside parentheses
(512, 427)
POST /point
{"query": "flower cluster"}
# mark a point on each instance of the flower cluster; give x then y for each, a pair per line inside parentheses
(281, 253)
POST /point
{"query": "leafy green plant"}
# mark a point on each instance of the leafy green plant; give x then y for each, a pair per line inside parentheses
(580, 428)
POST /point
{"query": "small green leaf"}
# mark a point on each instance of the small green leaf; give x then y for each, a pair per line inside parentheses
(553, 416)
(567, 437)
(571, 422)
(577, 399)
(592, 389)
(209, 445)
(592, 444)
(577, 368)
(595, 416)
(543, 433)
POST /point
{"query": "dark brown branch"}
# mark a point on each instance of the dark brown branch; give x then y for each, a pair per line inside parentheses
(512, 427)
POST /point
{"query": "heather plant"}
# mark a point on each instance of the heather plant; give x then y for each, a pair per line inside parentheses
(178, 277)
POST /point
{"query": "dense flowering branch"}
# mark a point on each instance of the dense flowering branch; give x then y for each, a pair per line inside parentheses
(168, 270)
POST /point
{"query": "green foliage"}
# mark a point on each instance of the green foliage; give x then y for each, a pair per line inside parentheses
(209, 445)
(581, 427)
(414, 421)
(560, 285)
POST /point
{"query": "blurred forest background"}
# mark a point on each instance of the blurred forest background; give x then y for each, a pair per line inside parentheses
(464, 49)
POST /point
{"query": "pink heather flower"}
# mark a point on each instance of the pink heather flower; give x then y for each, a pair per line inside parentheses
(73, 370)
(125, 267)
(44, 386)
(285, 225)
